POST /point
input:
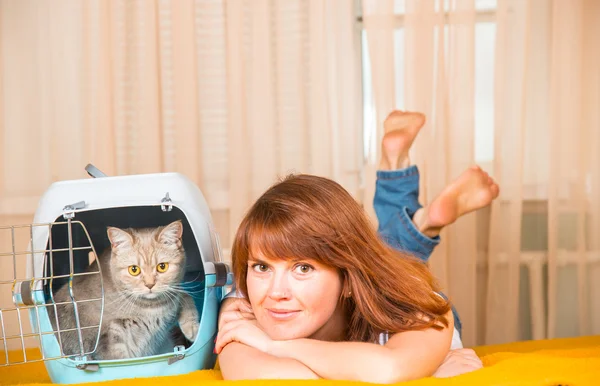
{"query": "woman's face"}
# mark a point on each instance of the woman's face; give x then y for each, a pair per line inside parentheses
(294, 299)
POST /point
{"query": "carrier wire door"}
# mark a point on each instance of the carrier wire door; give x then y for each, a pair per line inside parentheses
(24, 326)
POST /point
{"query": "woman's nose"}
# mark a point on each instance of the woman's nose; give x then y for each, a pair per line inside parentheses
(280, 289)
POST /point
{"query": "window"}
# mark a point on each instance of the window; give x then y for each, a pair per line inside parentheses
(485, 35)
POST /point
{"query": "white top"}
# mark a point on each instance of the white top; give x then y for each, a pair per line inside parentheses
(383, 337)
(456, 342)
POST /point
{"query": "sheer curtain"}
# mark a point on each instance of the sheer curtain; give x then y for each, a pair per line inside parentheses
(236, 93)
(526, 268)
(233, 94)
(544, 230)
(294, 90)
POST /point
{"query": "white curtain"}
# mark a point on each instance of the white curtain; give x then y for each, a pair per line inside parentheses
(547, 133)
(233, 94)
(538, 244)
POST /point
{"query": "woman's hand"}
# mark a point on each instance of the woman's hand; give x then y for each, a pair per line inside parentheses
(237, 323)
(458, 362)
(243, 331)
(235, 309)
(245, 361)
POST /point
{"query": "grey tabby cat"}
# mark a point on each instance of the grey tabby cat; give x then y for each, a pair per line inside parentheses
(143, 299)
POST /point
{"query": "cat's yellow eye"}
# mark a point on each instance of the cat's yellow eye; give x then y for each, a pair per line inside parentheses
(134, 270)
(162, 267)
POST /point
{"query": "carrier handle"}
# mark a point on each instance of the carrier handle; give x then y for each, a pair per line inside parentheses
(219, 273)
(94, 171)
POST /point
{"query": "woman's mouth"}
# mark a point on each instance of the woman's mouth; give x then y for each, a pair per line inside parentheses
(280, 314)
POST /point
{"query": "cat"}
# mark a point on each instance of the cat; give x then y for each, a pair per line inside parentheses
(142, 272)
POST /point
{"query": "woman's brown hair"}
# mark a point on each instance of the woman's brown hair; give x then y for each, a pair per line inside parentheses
(311, 217)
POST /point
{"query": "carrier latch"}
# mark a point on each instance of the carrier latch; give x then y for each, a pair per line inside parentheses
(69, 210)
(81, 364)
(26, 293)
(179, 354)
(165, 203)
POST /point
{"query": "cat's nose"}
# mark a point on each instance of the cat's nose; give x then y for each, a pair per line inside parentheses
(149, 285)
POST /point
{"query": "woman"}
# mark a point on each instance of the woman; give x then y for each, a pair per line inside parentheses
(328, 298)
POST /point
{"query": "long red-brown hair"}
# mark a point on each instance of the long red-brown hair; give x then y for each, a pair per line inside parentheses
(311, 217)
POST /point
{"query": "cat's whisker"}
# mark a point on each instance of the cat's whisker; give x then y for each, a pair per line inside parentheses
(186, 289)
(183, 291)
(124, 301)
(127, 301)
(173, 299)
(175, 296)
(120, 298)
(193, 280)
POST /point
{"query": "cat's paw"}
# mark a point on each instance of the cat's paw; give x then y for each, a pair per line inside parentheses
(189, 320)
(190, 329)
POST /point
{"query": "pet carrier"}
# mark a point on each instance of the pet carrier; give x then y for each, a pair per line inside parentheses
(68, 233)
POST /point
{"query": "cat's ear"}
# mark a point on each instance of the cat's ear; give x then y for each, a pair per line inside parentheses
(171, 234)
(119, 238)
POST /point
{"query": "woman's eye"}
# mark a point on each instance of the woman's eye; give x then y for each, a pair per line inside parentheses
(260, 267)
(304, 268)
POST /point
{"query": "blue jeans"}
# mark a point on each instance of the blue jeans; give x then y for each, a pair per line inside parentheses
(396, 202)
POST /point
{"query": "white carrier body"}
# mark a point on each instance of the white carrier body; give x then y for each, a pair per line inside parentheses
(128, 191)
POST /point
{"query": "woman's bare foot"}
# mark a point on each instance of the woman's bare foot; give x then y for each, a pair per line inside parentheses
(401, 129)
(474, 189)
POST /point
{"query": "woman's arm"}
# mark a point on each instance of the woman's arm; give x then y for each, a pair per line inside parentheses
(245, 353)
(239, 361)
(408, 355)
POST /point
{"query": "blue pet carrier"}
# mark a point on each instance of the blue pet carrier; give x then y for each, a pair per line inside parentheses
(70, 227)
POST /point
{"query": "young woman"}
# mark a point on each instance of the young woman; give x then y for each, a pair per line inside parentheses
(327, 298)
